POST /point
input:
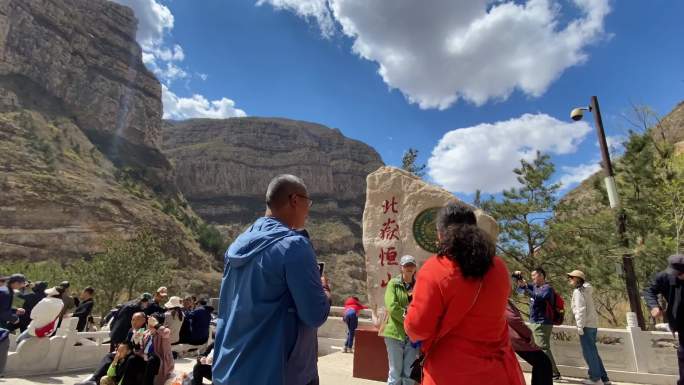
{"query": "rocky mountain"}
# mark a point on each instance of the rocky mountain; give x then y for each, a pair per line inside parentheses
(223, 168)
(80, 128)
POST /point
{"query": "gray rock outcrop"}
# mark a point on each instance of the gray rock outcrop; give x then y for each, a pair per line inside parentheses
(83, 55)
(223, 168)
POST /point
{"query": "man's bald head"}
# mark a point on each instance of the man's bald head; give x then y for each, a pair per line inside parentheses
(282, 188)
(138, 320)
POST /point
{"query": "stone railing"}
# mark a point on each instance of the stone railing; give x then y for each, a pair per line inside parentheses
(68, 350)
(629, 354)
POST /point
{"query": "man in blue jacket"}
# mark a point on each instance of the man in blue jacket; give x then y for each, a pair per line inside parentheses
(273, 298)
(541, 295)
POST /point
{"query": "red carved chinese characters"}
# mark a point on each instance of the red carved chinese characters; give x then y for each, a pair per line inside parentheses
(387, 206)
(389, 230)
(388, 256)
(385, 283)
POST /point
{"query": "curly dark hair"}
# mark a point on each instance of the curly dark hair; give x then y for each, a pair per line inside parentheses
(463, 242)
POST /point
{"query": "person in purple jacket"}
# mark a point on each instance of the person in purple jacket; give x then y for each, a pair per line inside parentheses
(524, 346)
(273, 298)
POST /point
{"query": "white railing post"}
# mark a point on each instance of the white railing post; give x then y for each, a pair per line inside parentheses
(637, 342)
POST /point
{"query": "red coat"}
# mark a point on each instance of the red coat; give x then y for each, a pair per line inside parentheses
(473, 347)
(353, 303)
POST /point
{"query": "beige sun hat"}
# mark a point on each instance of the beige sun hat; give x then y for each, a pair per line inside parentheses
(173, 302)
(576, 274)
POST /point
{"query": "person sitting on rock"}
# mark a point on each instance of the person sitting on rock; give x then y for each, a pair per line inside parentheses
(44, 316)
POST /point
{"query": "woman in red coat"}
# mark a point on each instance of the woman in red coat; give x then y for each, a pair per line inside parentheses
(458, 308)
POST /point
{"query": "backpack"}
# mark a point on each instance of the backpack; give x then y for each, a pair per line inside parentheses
(555, 308)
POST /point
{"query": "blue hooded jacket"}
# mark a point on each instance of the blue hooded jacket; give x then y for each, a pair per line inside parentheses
(271, 304)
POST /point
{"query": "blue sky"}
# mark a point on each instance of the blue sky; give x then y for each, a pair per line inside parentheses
(296, 59)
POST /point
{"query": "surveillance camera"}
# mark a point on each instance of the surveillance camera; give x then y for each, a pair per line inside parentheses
(577, 114)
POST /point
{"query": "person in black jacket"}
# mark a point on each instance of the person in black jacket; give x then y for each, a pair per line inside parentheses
(84, 308)
(670, 285)
(30, 301)
(202, 368)
(121, 324)
(9, 316)
(134, 337)
(199, 321)
(157, 303)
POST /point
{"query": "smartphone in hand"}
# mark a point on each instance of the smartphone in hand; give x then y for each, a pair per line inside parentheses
(321, 268)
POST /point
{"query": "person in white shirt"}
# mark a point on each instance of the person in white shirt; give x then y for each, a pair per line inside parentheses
(587, 326)
(44, 316)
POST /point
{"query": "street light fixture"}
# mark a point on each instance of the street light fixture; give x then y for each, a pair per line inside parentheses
(621, 218)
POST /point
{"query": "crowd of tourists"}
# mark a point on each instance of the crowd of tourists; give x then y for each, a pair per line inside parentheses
(142, 333)
(449, 321)
(41, 312)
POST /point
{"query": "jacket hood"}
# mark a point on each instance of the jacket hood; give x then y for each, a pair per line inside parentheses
(262, 234)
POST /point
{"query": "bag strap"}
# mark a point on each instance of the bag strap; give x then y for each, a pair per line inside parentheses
(439, 337)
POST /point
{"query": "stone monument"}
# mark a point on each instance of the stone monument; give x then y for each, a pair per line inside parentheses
(399, 219)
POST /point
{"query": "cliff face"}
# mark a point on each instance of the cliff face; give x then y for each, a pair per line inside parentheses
(80, 124)
(83, 55)
(224, 166)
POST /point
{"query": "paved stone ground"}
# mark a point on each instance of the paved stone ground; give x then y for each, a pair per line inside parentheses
(334, 369)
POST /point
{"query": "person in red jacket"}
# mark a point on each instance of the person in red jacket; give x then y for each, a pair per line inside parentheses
(523, 344)
(458, 308)
(352, 308)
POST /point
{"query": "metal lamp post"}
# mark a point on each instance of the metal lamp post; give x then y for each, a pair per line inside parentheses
(620, 216)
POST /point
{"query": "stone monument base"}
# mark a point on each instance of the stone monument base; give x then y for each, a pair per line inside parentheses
(370, 355)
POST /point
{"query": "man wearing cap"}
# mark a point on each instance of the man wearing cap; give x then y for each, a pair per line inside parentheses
(156, 305)
(586, 319)
(670, 284)
(9, 317)
(401, 353)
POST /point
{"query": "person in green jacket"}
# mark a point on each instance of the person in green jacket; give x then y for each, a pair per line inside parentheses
(400, 351)
(117, 369)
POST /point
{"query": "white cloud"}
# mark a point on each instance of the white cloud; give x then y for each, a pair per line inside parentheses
(439, 51)
(197, 106)
(484, 156)
(577, 174)
(169, 54)
(615, 143)
(316, 10)
(154, 20)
